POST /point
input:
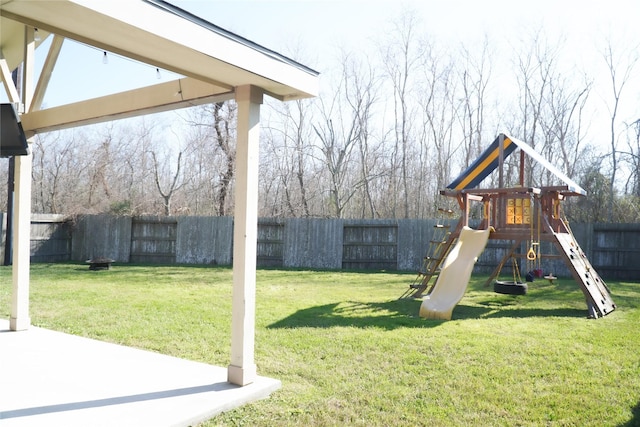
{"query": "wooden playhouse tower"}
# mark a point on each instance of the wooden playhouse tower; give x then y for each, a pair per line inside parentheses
(521, 214)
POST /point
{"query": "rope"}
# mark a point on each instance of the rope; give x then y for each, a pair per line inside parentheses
(531, 253)
(539, 215)
(516, 271)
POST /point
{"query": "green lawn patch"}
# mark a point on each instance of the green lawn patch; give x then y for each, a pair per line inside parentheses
(349, 352)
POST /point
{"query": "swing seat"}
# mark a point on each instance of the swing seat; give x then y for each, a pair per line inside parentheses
(510, 288)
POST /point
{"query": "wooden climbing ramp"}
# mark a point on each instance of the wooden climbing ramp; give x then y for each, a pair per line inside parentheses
(595, 290)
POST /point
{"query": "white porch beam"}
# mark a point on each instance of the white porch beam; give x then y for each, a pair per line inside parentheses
(45, 74)
(181, 93)
(7, 81)
(171, 39)
(20, 319)
(242, 370)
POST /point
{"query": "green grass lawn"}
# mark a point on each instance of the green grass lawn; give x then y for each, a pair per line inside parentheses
(349, 352)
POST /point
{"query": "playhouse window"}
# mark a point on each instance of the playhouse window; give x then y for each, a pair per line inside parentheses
(518, 211)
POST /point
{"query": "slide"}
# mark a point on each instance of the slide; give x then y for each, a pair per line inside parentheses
(455, 273)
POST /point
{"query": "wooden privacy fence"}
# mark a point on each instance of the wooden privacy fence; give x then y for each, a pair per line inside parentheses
(613, 249)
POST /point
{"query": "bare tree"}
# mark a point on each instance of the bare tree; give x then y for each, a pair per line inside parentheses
(440, 111)
(135, 175)
(402, 56)
(200, 164)
(550, 114)
(214, 160)
(175, 184)
(54, 163)
(536, 71)
(360, 94)
(592, 208)
(62, 164)
(620, 68)
(474, 77)
(225, 139)
(336, 145)
(336, 157)
(565, 125)
(287, 164)
(632, 157)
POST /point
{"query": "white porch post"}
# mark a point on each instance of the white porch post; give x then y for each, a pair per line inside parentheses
(242, 370)
(20, 319)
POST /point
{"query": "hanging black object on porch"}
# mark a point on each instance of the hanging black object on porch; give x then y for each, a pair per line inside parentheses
(13, 141)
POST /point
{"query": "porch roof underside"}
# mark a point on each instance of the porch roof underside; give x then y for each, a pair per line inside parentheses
(212, 60)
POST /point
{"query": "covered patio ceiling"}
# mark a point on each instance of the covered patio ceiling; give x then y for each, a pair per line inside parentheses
(215, 65)
(212, 60)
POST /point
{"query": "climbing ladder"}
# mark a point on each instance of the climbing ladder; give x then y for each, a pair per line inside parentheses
(595, 290)
(441, 242)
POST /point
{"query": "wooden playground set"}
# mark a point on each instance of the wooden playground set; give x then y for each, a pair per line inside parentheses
(524, 215)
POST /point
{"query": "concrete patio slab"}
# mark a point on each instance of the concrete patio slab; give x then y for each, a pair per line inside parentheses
(49, 378)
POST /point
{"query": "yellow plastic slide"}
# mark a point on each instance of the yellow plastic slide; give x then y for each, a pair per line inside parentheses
(455, 273)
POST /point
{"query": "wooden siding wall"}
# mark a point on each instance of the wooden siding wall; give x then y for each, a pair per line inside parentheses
(613, 249)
